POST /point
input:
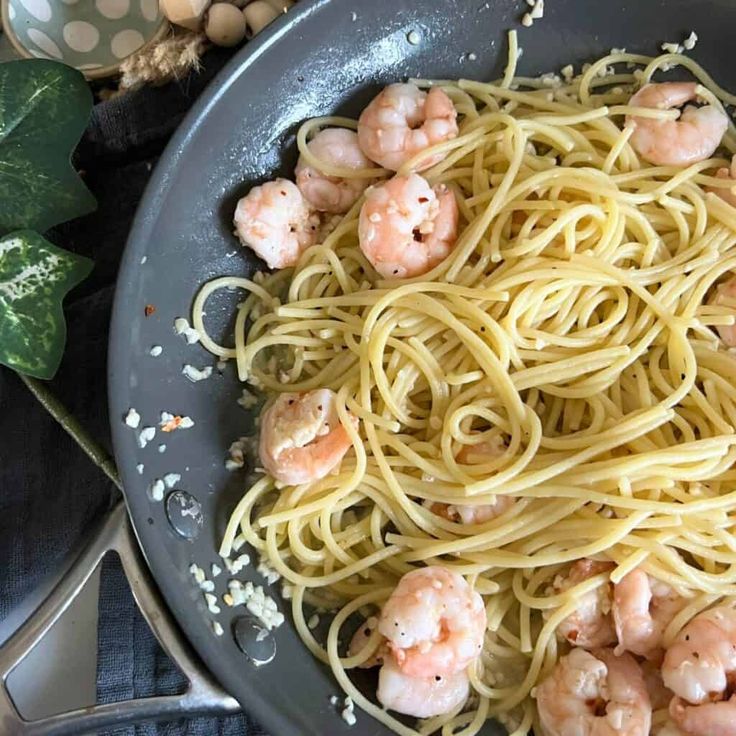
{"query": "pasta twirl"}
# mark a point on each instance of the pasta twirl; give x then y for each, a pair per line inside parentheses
(573, 324)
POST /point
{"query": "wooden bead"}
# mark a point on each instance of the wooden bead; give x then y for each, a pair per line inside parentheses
(186, 13)
(258, 15)
(225, 25)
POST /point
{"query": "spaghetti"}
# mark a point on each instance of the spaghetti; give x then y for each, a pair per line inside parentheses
(573, 324)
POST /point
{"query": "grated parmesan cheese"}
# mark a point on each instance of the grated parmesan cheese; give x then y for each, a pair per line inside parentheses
(690, 41)
(133, 419)
(211, 601)
(147, 434)
(247, 400)
(238, 451)
(313, 622)
(171, 479)
(348, 714)
(262, 606)
(182, 327)
(236, 565)
(139, 468)
(216, 570)
(196, 374)
(267, 571)
(671, 48)
(217, 628)
(155, 351)
(156, 490)
(197, 573)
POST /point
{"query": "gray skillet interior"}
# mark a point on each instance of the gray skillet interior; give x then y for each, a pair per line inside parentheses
(326, 56)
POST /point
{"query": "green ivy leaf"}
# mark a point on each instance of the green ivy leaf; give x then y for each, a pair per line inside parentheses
(44, 108)
(34, 278)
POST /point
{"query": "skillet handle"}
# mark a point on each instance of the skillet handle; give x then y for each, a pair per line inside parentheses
(203, 696)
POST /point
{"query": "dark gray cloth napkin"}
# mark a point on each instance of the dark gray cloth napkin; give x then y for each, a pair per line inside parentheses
(50, 493)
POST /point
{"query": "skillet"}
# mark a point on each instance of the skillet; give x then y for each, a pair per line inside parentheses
(325, 56)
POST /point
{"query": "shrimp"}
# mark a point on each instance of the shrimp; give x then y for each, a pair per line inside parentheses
(276, 222)
(421, 697)
(434, 623)
(402, 121)
(302, 438)
(336, 147)
(726, 193)
(360, 639)
(700, 668)
(693, 137)
(659, 695)
(724, 291)
(590, 625)
(642, 608)
(465, 514)
(594, 694)
(407, 227)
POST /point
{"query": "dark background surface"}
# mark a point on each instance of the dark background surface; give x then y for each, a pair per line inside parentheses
(50, 492)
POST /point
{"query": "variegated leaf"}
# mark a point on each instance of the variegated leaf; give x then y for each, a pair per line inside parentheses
(44, 108)
(35, 276)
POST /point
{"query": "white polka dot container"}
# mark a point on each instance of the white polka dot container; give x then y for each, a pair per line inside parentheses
(92, 35)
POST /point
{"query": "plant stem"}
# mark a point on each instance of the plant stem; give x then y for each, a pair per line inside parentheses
(61, 414)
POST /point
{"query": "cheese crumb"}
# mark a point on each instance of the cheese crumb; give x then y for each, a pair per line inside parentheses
(196, 374)
(262, 606)
(133, 419)
(238, 451)
(211, 601)
(347, 714)
(156, 490)
(146, 435)
(171, 479)
(247, 400)
(216, 570)
(526, 20)
(236, 565)
(567, 72)
(690, 41)
(313, 622)
(671, 48)
(162, 448)
(217, 628)
(538, 10)
(155, 351)
(197, 573)
(182, 327)
(267, 571)
(139, 468)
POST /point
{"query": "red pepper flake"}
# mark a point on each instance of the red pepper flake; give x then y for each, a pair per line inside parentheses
(171, 425)
(149, 310)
